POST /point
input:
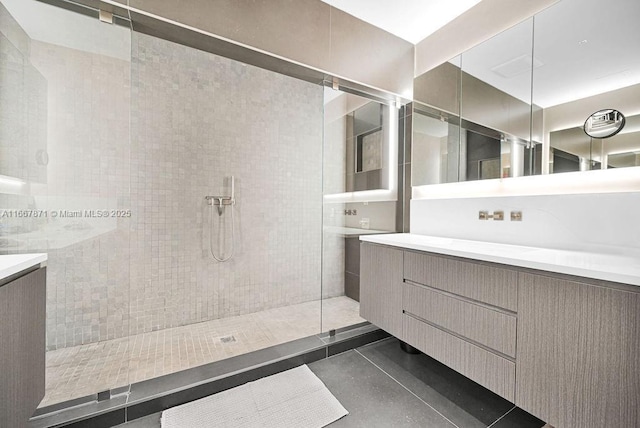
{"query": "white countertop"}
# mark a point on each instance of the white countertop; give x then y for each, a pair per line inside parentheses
(352, 231)
(15, 263)
(608, 267)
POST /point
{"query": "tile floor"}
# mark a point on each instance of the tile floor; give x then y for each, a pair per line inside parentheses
(83, 370)
(382, 386)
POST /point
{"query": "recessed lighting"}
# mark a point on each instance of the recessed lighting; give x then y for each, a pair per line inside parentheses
(583, 42)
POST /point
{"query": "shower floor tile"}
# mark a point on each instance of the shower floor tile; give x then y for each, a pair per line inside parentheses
(86, 369)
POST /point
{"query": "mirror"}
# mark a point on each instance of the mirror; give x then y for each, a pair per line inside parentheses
(573, 150)
(361, 139)
(484, 98)
(589, 66)
(604, 123)
(435, 138)
(364, 140)
(523, 97)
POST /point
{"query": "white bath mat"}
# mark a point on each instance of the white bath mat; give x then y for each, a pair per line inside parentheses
(295, 398)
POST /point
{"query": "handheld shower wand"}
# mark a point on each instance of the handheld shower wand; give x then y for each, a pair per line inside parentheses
(219, 202)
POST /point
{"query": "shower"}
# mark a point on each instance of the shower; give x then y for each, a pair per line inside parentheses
(221, 202)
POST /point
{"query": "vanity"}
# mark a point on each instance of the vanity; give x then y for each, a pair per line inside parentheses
(555, 332)
(22, 336)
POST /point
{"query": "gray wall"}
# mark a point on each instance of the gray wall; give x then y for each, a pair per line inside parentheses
(307, 32)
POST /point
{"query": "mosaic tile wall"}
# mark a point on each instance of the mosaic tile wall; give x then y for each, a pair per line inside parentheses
(197, 119)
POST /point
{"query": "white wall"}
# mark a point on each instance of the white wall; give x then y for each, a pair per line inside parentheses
(584, 222)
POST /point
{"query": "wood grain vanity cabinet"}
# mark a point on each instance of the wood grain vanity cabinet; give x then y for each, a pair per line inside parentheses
(22, 346)
(381, 299)
(578, 360)
(566, 349)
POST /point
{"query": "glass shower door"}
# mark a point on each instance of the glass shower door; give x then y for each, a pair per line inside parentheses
(64, 162)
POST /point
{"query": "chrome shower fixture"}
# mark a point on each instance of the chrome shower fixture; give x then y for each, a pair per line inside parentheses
(221, 201)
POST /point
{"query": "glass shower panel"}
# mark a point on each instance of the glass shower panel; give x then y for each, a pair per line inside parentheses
(64, 167)
(361, 177)
(199, 119)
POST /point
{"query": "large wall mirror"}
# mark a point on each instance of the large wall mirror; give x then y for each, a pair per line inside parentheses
(516, 104)
(361, 145)
(588, 62)
(478, 107)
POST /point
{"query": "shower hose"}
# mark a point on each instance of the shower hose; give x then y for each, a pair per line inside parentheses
(221, 259)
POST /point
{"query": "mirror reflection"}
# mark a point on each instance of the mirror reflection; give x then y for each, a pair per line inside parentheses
(23, 134)
(435, 146)
(357, 131)
(484, 96)
(521, 98)
(572, 84)
(573, 150)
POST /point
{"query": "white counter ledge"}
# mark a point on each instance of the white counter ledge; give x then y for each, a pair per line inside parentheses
(352, 231)
(609, 267)
(16, 263)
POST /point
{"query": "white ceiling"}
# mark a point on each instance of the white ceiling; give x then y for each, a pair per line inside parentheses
(411, 20)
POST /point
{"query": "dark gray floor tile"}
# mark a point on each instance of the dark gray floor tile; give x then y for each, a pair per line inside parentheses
(461, 400)
(150, 421)
(355, 342)
(518, 418)
(372, 398)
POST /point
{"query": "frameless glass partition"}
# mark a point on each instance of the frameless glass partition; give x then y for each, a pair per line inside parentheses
(64, 187)
(362, 174)
(139, 160)
(180, 197)
(226, 195)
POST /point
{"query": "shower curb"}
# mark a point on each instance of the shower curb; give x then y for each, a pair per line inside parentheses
(158, 394)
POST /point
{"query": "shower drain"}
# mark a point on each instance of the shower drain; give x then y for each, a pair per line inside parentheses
(227, 339)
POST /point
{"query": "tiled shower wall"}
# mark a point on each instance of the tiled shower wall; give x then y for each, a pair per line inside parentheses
(196, 119)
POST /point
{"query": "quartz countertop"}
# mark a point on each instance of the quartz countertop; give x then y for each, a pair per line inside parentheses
(15, 263)
(623, 268)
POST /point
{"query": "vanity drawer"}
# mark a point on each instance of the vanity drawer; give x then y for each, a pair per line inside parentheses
(493, 285)
(482, 325)
(486, 368)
